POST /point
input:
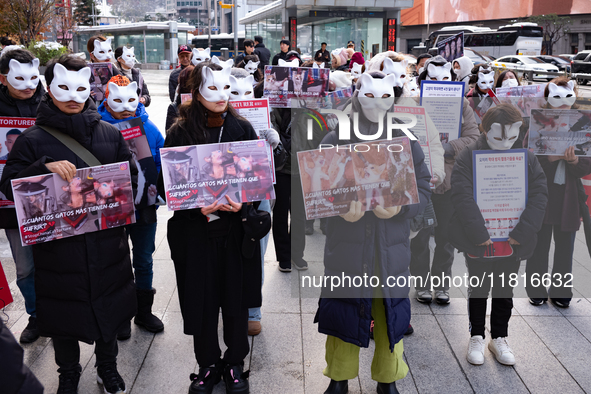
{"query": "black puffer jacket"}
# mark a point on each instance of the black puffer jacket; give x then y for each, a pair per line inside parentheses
(84, 284)
(18, 109)
(264, 55)
(467, 228)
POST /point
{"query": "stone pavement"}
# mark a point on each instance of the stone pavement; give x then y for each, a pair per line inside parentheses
(552, 346)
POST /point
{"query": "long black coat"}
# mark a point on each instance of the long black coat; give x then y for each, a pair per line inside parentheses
(84, 284)
(17, 109)
(467, 228)
(188, 240)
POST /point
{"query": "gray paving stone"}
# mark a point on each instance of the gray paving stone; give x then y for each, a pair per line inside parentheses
(433, 364)
(537, 367)
(491, 377)
(276, 363)
(169, 362)
(524, 308)
(583, 324)
(567, 344)
(277, 295)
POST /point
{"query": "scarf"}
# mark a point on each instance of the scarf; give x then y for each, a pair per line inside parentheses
(216, 119)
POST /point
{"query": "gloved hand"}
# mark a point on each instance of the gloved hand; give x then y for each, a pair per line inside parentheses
(272, 137)
(448, 149)
(386, 213)
(355, 213)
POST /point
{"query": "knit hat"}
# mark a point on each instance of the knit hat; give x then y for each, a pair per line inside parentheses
(357, 58)
(118, 80)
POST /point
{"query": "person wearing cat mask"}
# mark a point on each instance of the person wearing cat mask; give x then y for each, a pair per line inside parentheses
(500, 131)
(439, 69)
(84, 284)
(206, 243)
(125, 61)
(369, 243)
(122, 103)
(563, 213)
(100, 51)
(251, 64)
(20, 94)
(483, 79)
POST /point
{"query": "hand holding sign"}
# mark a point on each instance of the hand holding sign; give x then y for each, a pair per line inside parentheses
(355, 213)
(386, 213)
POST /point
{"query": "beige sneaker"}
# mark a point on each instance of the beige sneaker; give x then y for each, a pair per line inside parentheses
(476, 350)
(502, 351)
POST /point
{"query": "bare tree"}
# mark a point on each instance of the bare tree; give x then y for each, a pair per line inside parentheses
(26, 18)
(555, 27)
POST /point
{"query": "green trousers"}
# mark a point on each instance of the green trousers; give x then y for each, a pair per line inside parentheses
(342, 358)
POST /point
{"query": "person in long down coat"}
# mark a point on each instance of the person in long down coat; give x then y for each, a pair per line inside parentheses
(369, 243)
(84, 284)
(206, 243)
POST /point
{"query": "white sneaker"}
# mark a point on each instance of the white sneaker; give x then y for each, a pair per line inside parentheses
(442, 297)
(476, 350)
(424, 296)
(502, 351)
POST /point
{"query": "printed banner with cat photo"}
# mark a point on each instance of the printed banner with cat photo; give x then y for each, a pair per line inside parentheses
(100, 75)
(552, 131)
(285, 83)
(135, 137)
(50, 208)
(383, 175)
(10, 130)
(524, 98)
(196, 176)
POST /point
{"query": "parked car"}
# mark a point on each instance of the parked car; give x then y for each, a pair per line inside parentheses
(567, 56)
(581, 64)
(562, 63)
(476, 57)
(521, 63)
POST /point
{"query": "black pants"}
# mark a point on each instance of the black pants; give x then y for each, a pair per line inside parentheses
(290, 240)
(67, 353)
(502, 293)
(219, 292)
(537, 264)
(443, 257)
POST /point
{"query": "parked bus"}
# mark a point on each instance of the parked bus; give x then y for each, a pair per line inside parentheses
(516, 39)
(219, 41)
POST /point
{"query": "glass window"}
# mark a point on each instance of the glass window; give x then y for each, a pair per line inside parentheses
(587, 38)
(155, 47)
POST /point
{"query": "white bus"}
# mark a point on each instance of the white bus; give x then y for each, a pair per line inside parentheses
(516, 39)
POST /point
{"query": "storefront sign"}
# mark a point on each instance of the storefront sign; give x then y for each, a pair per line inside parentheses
(391, 35)
(293, 32)
(346, 14)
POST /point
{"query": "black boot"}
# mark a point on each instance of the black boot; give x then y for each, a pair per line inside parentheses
(337, 387)
(204, 382)
(30, 333)
(236, 380)
(144, 317)
(387, 388)
(125, 333)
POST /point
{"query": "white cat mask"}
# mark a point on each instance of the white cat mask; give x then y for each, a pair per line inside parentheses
(486, 81)
(102, 50)
(251, 66)
(123, 98)
(293, 63)
(65, 84)
(241, 88)
(356, 70)
(562, 95)
(200, 56)
(225, 64)
(509, 83)
(398, 69)
(376, 96)
(22, 76)
(315, 65)
(495, 137)
(439, 73)
(128, 57)
(218, 79)
(412, 88)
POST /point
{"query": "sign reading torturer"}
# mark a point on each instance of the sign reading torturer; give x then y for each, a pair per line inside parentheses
(500, 189)
(195, 176)
(10, 130)
(50, 208)
(378, 173)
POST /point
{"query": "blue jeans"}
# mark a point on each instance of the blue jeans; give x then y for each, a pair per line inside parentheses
(254, 314)
(25, 269)
(143, 246)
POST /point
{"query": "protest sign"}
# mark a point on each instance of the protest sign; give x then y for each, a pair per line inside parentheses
(552, 131)
(339, 98)
(10, 129)
(444, 102)
(195, 176)
(100, 75)
(524, 98)
(380, 173)
(97, 198)
(481, 105)
(186, 97)
(500, 189)
(452, 47)
(135, 137)
(281, 84)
